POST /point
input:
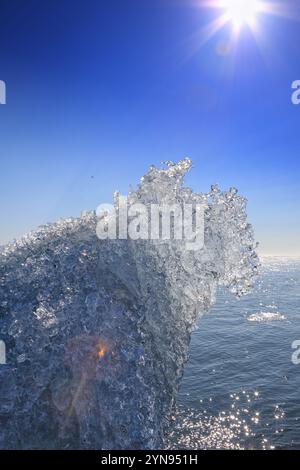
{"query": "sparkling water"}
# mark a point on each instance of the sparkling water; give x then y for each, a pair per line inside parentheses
(240, 388)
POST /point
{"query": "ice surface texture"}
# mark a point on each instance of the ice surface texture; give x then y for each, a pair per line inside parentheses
(97, 331)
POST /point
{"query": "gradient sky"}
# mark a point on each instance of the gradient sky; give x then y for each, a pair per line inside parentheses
(99, 90)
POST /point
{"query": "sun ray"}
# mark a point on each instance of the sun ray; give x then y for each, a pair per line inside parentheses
(198, 39)
(242, 14)
(289, 9)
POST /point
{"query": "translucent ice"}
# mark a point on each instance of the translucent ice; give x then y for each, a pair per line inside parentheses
(97, 331)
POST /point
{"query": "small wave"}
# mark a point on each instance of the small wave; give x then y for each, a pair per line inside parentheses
(266, 317)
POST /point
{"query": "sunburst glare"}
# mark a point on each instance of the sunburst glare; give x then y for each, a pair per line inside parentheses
(243, 14)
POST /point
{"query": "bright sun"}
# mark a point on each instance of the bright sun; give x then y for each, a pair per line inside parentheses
(241, 12)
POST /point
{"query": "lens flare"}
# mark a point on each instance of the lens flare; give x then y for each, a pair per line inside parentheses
(101, 351)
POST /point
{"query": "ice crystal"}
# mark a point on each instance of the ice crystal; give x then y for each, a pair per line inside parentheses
(97, 331)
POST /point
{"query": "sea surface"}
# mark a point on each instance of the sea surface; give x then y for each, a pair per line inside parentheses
(241, 389)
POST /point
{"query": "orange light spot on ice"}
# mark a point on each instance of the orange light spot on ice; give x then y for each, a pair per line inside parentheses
(101, 350)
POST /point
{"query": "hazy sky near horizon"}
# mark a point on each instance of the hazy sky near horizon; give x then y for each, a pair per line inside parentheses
(97, 91)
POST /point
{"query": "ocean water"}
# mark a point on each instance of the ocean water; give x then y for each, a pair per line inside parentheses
(240, 387)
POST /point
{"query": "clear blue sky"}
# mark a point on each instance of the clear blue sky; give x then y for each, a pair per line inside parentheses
(99, 90)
